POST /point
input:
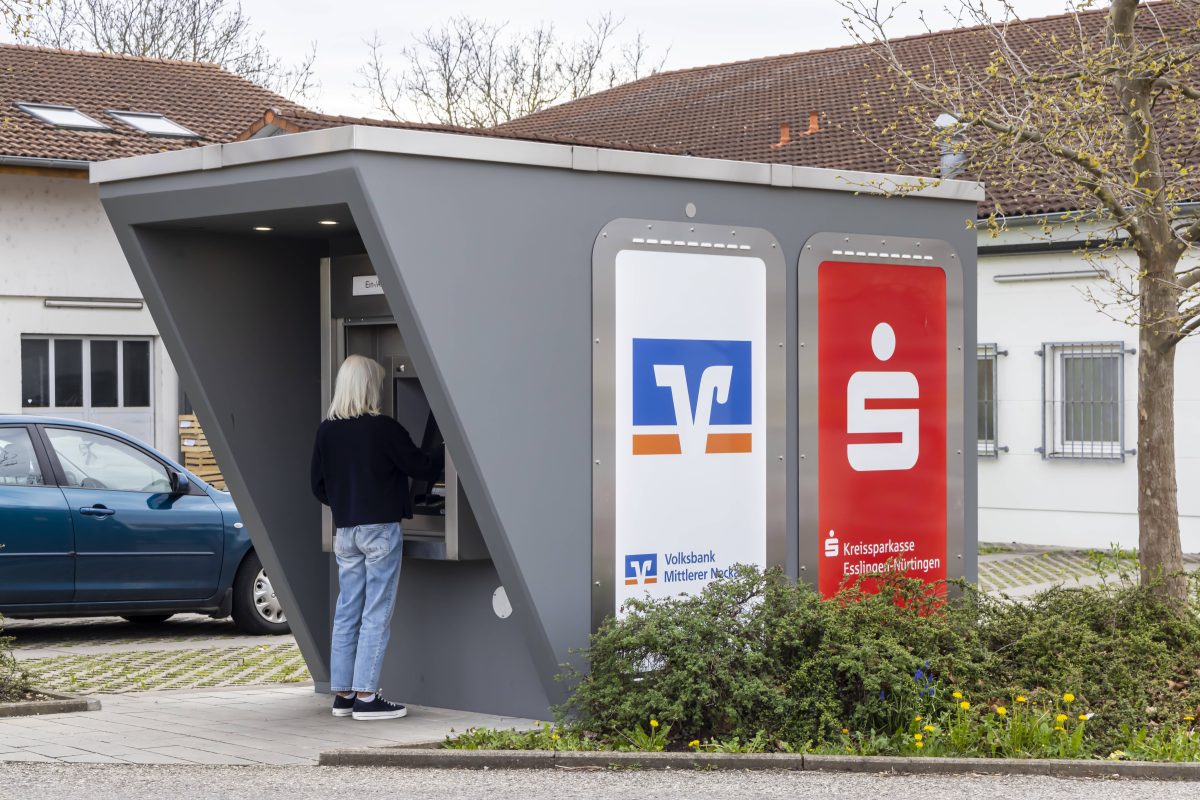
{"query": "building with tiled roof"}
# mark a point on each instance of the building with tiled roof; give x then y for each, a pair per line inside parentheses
(204, 99)
(75, 337)
(807, 108)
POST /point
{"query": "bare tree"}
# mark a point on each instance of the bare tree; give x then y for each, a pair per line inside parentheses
(477, 73)
(1098, 115)
(15, 15)
(212, 31)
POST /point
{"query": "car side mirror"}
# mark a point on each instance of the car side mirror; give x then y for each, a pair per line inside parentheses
(179, 483)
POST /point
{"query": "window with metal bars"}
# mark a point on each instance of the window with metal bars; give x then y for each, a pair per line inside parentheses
(986, 356)
(1083, 399)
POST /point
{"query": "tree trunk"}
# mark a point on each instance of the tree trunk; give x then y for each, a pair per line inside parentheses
(1160, 551)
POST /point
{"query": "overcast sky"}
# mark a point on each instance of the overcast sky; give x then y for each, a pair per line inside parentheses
(692, 33)
(697, 32)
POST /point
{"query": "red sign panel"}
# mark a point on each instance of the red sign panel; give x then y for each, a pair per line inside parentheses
(882, 418)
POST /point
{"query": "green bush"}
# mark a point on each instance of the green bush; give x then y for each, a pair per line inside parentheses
(14, 682)
(757, 657)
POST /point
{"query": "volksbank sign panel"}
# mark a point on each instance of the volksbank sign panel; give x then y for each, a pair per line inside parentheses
(643, 370)
(691, 391)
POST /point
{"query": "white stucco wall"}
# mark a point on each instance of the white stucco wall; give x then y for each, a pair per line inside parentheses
(55, 242)
(1026, 498)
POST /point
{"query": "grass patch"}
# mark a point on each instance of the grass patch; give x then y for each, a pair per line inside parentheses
(14, 680)
(171, 669)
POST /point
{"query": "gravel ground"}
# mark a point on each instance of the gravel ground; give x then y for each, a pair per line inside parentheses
(34, 782)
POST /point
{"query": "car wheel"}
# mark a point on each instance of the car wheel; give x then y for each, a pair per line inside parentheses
(146, 619)
(256, 609)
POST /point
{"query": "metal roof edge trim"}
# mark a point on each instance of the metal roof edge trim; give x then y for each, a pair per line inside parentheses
(44, 163)
(470, 147)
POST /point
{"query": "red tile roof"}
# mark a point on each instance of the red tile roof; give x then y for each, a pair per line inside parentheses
(300, 121)
(805, 108)
(214, 103)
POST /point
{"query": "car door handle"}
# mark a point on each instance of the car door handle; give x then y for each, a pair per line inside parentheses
(97, 511)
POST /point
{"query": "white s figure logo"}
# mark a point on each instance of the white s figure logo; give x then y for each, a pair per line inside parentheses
(864, 386)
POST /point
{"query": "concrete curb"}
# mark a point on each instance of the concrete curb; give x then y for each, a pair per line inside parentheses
(59, 703)
(547, 759)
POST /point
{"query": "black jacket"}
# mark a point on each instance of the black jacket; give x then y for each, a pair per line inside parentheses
(361, 467)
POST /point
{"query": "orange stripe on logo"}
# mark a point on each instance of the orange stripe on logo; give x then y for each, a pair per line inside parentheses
(656, 444)
(729, 443)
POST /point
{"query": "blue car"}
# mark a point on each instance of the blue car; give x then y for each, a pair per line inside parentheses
(95, 523)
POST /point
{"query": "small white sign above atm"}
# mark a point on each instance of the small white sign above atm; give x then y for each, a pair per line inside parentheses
(366, 284)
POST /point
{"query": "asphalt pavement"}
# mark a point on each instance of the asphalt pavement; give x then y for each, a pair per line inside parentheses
(45, 781)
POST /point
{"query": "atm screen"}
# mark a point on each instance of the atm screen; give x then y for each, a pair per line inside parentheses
(411, 409)
(429, 497)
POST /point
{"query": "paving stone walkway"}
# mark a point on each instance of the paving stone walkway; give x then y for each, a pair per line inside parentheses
(1024, 570)
(107, 655)
(276, 725)
(274, 718)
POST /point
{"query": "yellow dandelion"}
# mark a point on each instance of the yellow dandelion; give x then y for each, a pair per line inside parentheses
(917, 718)
(1061, 718)
(845, 730)
(554, 737)
(957, 695)
(929, 729)
(964, 705)
(653, 723)
(919, 744)
(1020, 698)
(1001, 710)
(694, 743)
(1189, 718)
(917, 737)
(1068, 698)
(1060, 728)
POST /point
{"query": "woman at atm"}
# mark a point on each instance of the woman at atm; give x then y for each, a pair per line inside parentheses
(362, 461)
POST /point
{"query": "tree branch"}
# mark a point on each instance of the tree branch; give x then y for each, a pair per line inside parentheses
(1098, 186)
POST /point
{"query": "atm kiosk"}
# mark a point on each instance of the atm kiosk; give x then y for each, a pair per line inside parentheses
(443, 527)
(527, 293)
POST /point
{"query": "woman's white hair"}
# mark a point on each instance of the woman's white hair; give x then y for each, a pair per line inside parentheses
(356, 391)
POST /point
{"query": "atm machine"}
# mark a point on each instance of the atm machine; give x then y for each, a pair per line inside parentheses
(359, 322)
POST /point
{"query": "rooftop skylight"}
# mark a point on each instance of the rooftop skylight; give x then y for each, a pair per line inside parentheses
(63, 117)
(153, 124)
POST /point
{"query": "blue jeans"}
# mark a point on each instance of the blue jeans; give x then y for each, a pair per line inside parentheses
(368, 558)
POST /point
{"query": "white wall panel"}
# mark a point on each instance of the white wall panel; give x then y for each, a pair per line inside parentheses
(1025, 498)
(55, 241)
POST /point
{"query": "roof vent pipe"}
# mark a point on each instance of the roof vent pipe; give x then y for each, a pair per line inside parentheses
(953, 157)
(785, 130)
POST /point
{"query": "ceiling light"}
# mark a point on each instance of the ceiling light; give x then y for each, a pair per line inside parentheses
(263, 228)
(327, 222)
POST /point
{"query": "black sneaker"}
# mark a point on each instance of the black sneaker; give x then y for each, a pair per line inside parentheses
(343, 706)
(378, 709)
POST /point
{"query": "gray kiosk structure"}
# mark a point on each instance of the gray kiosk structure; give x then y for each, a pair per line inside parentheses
(644, 369)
